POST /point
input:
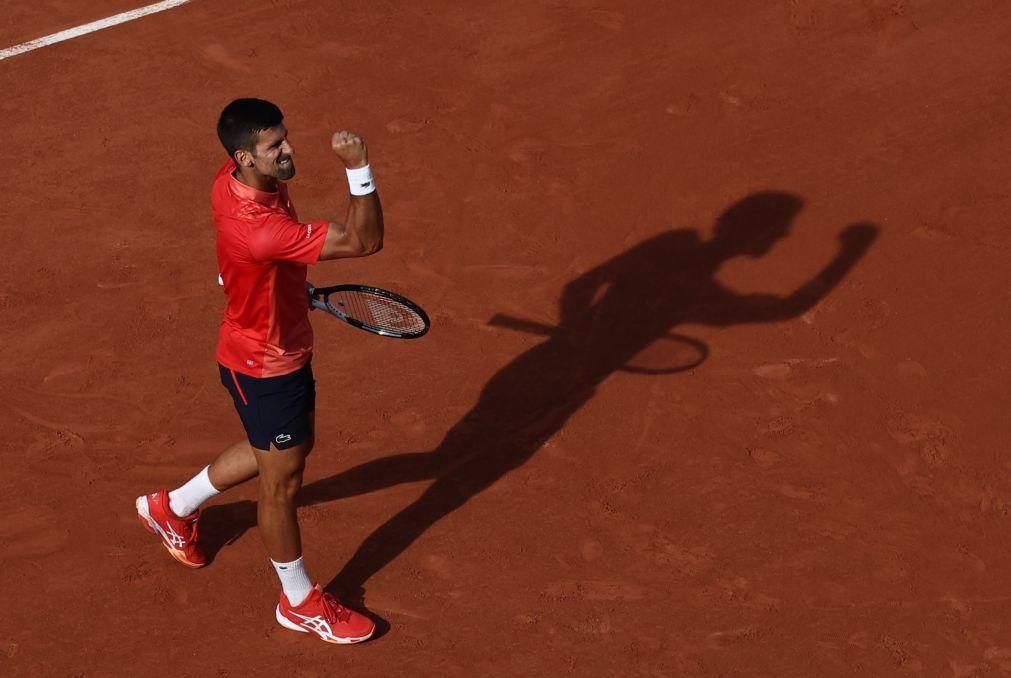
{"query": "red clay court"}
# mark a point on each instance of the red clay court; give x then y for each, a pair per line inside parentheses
(750, 415)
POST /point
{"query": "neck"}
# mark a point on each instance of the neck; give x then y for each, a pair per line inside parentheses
(250, 177)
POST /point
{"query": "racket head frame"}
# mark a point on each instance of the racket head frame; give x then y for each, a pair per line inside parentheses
(319, 298)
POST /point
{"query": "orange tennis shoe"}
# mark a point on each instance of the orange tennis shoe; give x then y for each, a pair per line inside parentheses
(179, 535)
(321, 614)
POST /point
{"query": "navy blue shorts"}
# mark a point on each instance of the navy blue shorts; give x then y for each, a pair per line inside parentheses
(274, 410)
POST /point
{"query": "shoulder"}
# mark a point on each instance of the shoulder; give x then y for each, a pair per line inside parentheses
(227, 203)
(222, 198)
(220, 184)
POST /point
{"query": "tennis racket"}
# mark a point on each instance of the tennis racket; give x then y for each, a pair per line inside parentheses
(371, 309)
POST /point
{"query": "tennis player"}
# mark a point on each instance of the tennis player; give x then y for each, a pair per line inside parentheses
(265, 349)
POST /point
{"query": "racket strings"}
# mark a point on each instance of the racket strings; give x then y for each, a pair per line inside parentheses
(379, 311)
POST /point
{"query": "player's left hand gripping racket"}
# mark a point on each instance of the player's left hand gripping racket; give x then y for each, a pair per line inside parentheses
(371, 309)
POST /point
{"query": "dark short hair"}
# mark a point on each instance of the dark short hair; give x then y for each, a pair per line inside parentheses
(762, 215)
(240, 123)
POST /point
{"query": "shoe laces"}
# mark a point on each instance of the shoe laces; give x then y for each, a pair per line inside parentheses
(334, 611)
(188, 527)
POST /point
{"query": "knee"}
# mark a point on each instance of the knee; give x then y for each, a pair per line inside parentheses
(281, 486)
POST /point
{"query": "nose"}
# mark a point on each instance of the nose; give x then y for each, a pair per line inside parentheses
(286, 147)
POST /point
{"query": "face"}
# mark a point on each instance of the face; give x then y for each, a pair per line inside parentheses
(272, 156)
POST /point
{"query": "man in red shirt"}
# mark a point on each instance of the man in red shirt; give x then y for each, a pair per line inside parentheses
(265, 348)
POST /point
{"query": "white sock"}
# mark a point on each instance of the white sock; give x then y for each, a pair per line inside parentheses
(294, 580)
(190, 496)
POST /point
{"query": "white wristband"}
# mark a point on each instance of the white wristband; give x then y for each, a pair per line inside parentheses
(360, 180)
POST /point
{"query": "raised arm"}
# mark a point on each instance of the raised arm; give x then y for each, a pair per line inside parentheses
(361, 234)
(854, 242)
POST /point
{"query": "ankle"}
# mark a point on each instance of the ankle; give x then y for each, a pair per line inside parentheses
(295, 581)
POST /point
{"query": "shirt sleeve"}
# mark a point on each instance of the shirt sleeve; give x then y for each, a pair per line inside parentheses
(281, 238)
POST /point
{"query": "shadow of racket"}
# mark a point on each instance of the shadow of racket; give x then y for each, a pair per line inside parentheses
(697, 351)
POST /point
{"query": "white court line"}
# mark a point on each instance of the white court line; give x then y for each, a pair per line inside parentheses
(114, 20)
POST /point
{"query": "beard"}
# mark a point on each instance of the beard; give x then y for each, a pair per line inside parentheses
(285, 168)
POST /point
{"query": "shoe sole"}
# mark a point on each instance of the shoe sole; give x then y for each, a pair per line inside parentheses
(288, 624)
(144, 515)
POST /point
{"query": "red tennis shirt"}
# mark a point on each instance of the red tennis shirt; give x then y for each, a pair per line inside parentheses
(263, 250)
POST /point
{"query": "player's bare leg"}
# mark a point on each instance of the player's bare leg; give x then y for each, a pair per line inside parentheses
(304, 607)
(280, 474)
(280, 480)
(234, 466)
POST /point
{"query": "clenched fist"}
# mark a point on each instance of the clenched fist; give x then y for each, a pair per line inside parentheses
(859, 236)
(350, 148)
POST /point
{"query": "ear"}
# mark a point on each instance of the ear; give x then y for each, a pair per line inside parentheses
(243, 158)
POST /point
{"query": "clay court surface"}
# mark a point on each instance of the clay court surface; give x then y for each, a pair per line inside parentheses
(684, 462)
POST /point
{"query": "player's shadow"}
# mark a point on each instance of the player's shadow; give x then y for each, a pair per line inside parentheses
(607, 316)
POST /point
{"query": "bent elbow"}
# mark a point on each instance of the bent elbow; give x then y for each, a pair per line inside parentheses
(370, 248)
